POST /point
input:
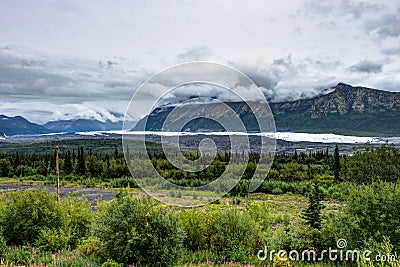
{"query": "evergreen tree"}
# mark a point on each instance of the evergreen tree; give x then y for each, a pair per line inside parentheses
(108, 161)
(81, 162)
(312, 214)
(17, 160)
(73, 155)
(115, 152)
(336, 164)
(68, 163)
(78, 169)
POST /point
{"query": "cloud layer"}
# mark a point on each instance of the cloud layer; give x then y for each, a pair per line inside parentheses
(85, 59)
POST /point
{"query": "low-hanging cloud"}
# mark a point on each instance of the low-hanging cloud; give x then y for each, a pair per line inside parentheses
(47, 88)
(366, 66)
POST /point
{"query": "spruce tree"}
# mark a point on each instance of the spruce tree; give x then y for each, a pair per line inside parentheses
(115, 152)
(312, 214)
(82, 166)
(16, 160)
(68, 163)
(336, 164)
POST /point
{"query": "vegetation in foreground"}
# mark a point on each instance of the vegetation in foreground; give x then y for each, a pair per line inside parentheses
(39, 231)
(363, 209)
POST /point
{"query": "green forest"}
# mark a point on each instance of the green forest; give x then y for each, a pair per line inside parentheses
(308, 201)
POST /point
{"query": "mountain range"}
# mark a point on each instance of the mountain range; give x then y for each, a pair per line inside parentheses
(345, 110)
(81, 125)
(19, 125)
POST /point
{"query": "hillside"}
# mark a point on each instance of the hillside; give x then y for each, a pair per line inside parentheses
(82, 125)
(19, 125)
(346, 110)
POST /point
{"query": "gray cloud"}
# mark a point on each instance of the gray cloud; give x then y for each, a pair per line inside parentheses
(92, 66)
(366, 66)
(23, 72)
(289, 78)
(355, 9)
(376, 19)
(44, 88)
(198, 90)
(391, 50)
(387, 25)
(194, 54)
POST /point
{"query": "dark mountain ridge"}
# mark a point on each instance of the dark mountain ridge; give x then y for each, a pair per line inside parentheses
(19, 125)
(81, 125)
(346, 110)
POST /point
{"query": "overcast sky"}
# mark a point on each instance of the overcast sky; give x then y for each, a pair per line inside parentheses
(74, 58)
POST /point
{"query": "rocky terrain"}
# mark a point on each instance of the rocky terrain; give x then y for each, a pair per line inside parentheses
(346, 110)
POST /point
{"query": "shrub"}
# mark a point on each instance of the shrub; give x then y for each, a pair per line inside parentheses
(234, 234)
(78, 217)
(194, 222)
(124, 182)
(261, 213)
(136, 231)
(50, 240)
(25, 213)
(111, 263)
(371, 213)
(277, 191)
(241, 189)
(90, 246)
(3, 245)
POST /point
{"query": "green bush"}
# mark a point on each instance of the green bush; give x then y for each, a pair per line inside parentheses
(241, 189)
(261, 213)
(50, 240)
(3, 245)
(25, 213)
(303, 188)
(78, 218)
(124, 182)
(111, 263)
(137, 231)
(371, 214)
(235, 235)
(90, 246)
(195, 224)
(281, 187)
(277, 191)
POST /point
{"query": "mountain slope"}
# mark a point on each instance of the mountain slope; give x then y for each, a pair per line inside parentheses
(346, 110)
(80, 125)
(19, 125)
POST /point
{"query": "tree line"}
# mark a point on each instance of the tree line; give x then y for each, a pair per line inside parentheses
(363, 167)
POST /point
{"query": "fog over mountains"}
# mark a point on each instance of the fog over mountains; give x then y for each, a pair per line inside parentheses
(345, 110)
